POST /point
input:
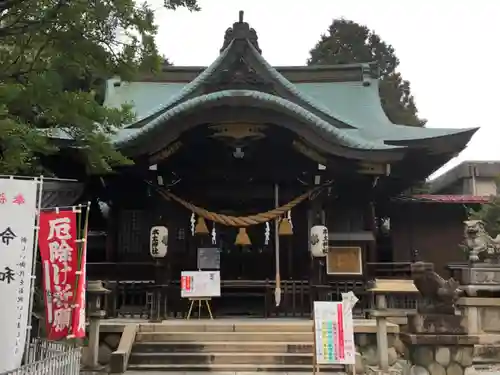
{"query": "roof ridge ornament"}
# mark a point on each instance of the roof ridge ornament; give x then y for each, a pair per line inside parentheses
(241, 31)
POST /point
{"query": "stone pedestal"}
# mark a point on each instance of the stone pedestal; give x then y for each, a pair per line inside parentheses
(441, 354)
(481, 279)
(482, 314)
(482, 317)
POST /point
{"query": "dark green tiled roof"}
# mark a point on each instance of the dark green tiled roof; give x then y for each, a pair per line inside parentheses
(321, 106)
(323, 127)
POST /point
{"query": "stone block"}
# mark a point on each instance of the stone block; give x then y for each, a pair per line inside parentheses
(437, 323)
(441, 357)
(112, 340)
(104, 353)
(464, 356)
(490, 318)
(418, 370)
(481, 275)
(436, 369)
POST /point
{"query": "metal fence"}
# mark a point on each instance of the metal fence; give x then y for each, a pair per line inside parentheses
(50, 358)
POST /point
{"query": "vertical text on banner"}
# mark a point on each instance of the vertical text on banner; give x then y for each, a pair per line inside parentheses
(78, 321)
(18, 208)
(59, 255)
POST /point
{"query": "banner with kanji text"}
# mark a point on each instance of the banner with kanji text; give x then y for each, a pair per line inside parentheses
(60, 262)
(18, 208)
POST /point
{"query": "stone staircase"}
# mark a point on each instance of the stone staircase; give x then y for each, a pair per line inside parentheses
(246, 346)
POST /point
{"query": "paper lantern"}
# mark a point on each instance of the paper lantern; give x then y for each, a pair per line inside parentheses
(158, 242)
(318, 241)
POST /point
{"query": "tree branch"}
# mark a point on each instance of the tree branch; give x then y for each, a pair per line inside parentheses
(12, 29)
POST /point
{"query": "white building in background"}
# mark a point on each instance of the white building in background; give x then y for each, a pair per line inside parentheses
(469, 178)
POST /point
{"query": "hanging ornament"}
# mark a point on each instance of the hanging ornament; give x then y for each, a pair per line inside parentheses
(285, 227)
(318, 241)
(214, 235)
(193, 222)
(201, 226)
(267, 234)
(242, 238)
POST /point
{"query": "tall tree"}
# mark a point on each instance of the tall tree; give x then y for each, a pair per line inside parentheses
(54, 58)
(349, 42)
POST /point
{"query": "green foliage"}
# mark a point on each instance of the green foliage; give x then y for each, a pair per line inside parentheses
(55, 56)
(349, 42)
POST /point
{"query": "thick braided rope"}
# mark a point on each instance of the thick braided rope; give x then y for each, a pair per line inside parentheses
(239, 221)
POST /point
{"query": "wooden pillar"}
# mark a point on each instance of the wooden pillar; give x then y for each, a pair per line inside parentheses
(370, 218)
(110, 251)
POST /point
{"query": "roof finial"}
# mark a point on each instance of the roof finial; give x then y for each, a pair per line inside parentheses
(241, 31)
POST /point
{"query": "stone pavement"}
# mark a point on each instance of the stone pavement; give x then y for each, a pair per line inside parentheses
(229, 373)
(492, 371)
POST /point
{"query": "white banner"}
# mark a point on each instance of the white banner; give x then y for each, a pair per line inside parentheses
(334, 332)
(18, 209)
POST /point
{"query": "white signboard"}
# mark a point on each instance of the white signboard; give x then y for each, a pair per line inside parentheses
(158, 242)
(199, 284)
(334, 333)
(18, 206)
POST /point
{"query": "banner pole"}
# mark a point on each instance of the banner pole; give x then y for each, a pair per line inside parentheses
(33, 268)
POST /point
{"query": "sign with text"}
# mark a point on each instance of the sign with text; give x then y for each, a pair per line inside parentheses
(59, 255)
(208, 258)
(200, 284)
(344, 260)
(18, 208)
(334, 333)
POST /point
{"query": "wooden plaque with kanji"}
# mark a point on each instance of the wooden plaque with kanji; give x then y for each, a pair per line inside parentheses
(344, 260)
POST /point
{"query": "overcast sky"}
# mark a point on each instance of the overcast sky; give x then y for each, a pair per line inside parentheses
(449, 49)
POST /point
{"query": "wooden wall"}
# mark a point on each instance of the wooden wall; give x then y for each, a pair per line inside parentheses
(434, 229)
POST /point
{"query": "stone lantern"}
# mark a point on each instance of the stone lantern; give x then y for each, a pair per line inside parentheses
(381, 289)
(95, 296)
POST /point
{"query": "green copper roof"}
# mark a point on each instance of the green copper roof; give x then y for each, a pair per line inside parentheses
(347, 113)
(324, 128)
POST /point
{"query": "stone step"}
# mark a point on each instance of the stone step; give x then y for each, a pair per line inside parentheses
(223, 347)
(255, 358)
(333, 370)
(195, 337)
(225, 326)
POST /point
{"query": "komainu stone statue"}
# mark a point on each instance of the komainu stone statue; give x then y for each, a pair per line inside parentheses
(478, 244)
(439, 295)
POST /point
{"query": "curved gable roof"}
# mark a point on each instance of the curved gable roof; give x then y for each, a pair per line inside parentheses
(350, 113)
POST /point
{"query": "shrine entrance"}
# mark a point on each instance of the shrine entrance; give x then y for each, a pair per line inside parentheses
(214, 174)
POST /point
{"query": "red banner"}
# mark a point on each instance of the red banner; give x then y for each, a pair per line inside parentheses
(78, 325)
(59, 253)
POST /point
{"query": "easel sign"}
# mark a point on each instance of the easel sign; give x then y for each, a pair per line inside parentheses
(334, 333)
(200, 286)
